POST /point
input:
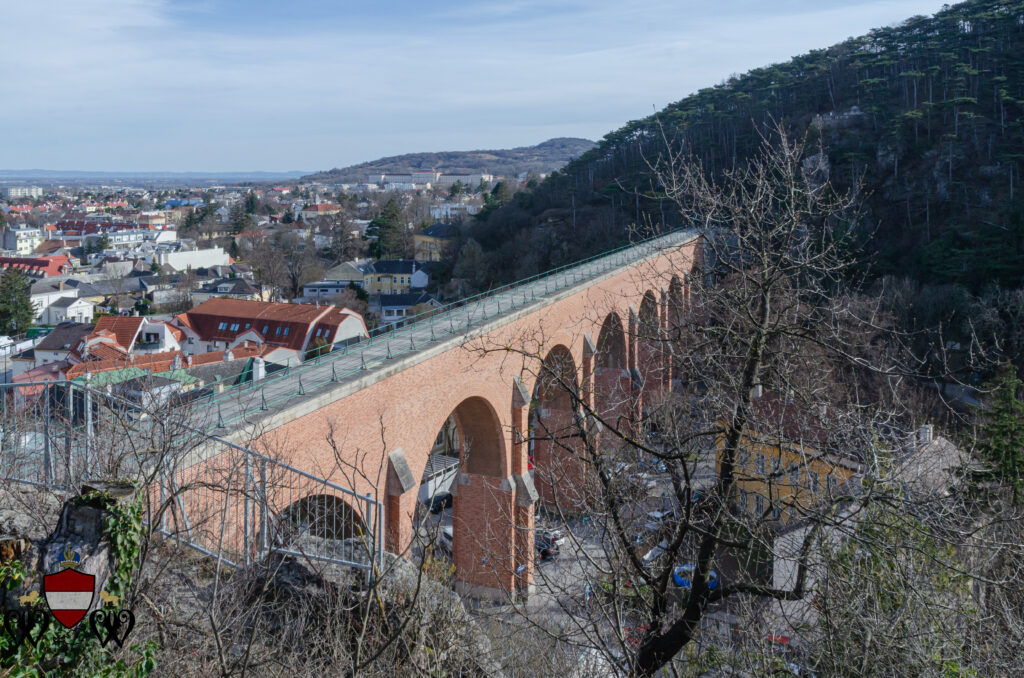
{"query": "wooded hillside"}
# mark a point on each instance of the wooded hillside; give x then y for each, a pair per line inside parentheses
(926, 115)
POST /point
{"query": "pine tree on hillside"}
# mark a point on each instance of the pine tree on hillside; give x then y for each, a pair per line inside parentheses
(16, 310)
(1001, 433)
(388, 230)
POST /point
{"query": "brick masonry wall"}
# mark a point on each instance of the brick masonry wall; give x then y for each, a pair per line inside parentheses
(348, 440)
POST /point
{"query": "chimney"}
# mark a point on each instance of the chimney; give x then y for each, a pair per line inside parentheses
(259, 369)
(188, 360)
(60, 285)
(925, 435)
(756, 391)
(228, 356)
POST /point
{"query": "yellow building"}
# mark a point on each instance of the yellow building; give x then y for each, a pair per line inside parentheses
(432, 242)
(779, 473)
(393, 276)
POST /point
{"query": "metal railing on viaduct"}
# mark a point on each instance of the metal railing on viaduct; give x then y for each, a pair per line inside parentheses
(235, 405)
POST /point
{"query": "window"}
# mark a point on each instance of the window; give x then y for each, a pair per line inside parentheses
(744, 459)
(758, 504)
(277, 331)
(223, 325)
(286, 331)
(776, 512)
(191, 340)
(234, 327)
(776, 467)
(759, 464)
(248, 325)
(266, 328)
(832, 483)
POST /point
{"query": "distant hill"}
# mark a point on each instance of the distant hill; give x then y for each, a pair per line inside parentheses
(543, 158)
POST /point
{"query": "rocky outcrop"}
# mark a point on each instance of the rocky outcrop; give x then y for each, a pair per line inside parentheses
(80, 525)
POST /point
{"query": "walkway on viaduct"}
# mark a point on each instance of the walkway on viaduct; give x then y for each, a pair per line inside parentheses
(367, 419)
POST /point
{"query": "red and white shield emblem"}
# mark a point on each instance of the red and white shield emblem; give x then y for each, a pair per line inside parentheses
(69, 594)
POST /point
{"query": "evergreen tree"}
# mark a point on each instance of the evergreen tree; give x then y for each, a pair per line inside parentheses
(1001, 433)
(240, 219)
(16, 310)
(251, 203)
(388, 229)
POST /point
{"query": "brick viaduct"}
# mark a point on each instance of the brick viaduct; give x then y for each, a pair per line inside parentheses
(374, 434)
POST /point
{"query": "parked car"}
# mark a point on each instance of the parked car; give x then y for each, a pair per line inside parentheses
(446, 541)
(683, 576)
(440, 501)
(656, 552)
(653, 465)
(656, 520)
(546, 545)
(555, 536)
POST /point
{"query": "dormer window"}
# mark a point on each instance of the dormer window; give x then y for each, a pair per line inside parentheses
(223, 325)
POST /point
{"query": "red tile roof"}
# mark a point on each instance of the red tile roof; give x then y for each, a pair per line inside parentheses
(106, 351)
(218, 356)
(46, 266)
(155, 362)
(280, 324)
(125, 328)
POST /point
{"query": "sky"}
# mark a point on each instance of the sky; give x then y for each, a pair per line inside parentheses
(248, 85)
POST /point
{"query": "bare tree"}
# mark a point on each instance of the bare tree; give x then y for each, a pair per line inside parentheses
(785, 401)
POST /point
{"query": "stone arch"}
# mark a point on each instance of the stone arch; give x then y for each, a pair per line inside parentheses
(554, 435)
(483, 534)
(481, 440)
(611, 343)
(649, 347)
(326, 516)
(611, 380)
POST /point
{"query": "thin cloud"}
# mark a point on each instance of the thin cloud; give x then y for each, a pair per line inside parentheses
(133, 84)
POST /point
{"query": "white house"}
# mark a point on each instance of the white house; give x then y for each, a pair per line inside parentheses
(69, 309)
(157, 337)
(46, 291)
(185, 259)
(23, 241)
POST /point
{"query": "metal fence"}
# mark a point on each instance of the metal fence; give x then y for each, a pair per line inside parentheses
(220, 498)
(239, 506)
